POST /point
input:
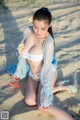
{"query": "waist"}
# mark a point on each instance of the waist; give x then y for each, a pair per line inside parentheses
(35, 76)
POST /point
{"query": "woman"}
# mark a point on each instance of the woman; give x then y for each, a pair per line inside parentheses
(36, 55)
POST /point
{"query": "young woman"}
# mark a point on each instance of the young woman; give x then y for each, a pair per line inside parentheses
(35, 60)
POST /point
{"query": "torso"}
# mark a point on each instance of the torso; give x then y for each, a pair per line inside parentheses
(36, 49)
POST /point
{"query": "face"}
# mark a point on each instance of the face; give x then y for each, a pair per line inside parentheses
(40, 28)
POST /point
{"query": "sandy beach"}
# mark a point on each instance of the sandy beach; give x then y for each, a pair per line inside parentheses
(14, 17)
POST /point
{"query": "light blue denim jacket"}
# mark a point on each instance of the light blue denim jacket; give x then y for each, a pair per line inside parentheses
(47, 71)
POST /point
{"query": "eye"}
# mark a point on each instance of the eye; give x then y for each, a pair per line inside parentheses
(43, 29)
(35, 27)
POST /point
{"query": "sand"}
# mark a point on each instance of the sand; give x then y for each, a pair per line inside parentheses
(66, 27)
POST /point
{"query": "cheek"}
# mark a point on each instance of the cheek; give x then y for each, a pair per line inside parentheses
(35, 31)
(44, 32)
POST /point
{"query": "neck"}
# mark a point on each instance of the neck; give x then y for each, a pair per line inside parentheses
(44, 37)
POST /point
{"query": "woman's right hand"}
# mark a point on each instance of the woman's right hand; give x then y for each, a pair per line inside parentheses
(16, 78)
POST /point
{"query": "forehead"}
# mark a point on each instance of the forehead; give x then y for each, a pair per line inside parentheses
(42, 23)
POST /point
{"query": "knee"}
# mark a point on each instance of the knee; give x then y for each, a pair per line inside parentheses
(30, 102)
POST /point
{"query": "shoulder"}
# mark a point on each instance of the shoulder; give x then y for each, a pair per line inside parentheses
(29, 35)
(28, 30)
(49, 41)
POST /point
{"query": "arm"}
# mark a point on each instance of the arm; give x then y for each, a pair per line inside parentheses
(26, 44)
(22, 66)
(48, 57)
(46, 95)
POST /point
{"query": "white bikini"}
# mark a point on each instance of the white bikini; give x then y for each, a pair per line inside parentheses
(25, 54)
(35, 58)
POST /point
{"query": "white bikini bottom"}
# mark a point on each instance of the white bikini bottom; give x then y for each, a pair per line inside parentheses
(35, 76)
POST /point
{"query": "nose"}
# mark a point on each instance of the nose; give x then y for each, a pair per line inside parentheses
(38, 31)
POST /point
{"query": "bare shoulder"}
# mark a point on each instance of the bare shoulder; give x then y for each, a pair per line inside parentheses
(28, 30)
(30, 38)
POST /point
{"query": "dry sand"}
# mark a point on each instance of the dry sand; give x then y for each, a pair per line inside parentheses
(66, 27)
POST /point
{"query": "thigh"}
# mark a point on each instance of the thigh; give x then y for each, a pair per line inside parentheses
(31, 89)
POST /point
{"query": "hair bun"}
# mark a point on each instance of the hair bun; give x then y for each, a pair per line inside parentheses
(45, 8)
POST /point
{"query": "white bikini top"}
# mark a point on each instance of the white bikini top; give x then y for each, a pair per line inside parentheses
(32, 57)
(29, 56)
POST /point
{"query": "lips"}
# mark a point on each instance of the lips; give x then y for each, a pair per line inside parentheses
(38, 35)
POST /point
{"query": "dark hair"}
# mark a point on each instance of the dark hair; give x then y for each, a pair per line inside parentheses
(44, 14)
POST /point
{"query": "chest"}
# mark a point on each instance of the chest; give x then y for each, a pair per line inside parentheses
(36, 48)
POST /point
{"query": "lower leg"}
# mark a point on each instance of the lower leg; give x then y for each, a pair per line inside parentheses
(59, 88)
(69, 88)
(57, 113)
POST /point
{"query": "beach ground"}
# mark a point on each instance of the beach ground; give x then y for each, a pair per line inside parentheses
(14, 17)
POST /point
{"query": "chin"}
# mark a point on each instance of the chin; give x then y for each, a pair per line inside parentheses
(39, 36)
